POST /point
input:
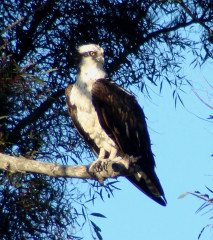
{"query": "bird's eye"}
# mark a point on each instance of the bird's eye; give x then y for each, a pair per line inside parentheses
(92, 54)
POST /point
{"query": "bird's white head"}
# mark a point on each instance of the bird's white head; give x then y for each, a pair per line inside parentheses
(91, 65)
(90, 54)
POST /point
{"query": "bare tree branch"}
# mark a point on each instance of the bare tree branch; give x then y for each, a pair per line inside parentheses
(194, 17)
(98, 170)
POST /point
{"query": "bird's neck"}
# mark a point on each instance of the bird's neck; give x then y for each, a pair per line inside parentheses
(89, 73)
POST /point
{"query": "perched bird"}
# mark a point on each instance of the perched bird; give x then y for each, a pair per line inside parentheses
(111, 121)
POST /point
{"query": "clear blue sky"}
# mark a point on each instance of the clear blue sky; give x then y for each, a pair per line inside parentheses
(182, 144)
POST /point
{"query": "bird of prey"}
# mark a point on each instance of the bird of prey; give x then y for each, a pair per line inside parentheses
(111, 121)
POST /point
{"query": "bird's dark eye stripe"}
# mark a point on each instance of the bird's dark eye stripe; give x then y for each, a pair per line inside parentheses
(87, 54)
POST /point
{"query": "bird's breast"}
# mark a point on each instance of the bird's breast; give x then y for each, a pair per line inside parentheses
(88, 118)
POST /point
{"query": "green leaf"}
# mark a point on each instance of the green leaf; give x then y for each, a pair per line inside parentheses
(51, 70)
(97, 230)
(1, 117)
(83, 213)
(183, 195)
(98, 215)
(39, 81)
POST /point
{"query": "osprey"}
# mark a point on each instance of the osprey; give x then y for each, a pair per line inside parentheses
(111, 121)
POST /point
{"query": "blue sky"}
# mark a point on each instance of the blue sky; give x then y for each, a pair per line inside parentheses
(182, 144)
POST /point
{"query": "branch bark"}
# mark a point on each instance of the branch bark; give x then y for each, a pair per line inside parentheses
(98, 171)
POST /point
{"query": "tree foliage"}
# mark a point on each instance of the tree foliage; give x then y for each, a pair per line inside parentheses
(205, 208)
(144, 42)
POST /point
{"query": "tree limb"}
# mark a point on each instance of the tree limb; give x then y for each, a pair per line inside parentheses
(111, 169)
(194, 17)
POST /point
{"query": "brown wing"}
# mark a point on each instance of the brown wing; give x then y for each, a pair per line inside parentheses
(123, 119)
(73, 113)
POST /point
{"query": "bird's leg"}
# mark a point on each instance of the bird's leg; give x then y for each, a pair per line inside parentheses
(113, 154)
(103, 167)
(102, 153)
(117, 158)
(99, 165)
(96, 165)
(119, 161)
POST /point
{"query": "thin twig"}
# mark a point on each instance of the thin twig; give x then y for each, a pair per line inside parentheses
(201, 99)
(12, 26)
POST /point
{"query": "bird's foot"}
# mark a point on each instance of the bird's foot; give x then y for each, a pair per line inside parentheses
(99, 169)
(103, 168)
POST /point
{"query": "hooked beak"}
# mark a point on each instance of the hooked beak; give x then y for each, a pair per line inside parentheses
(100, 59)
